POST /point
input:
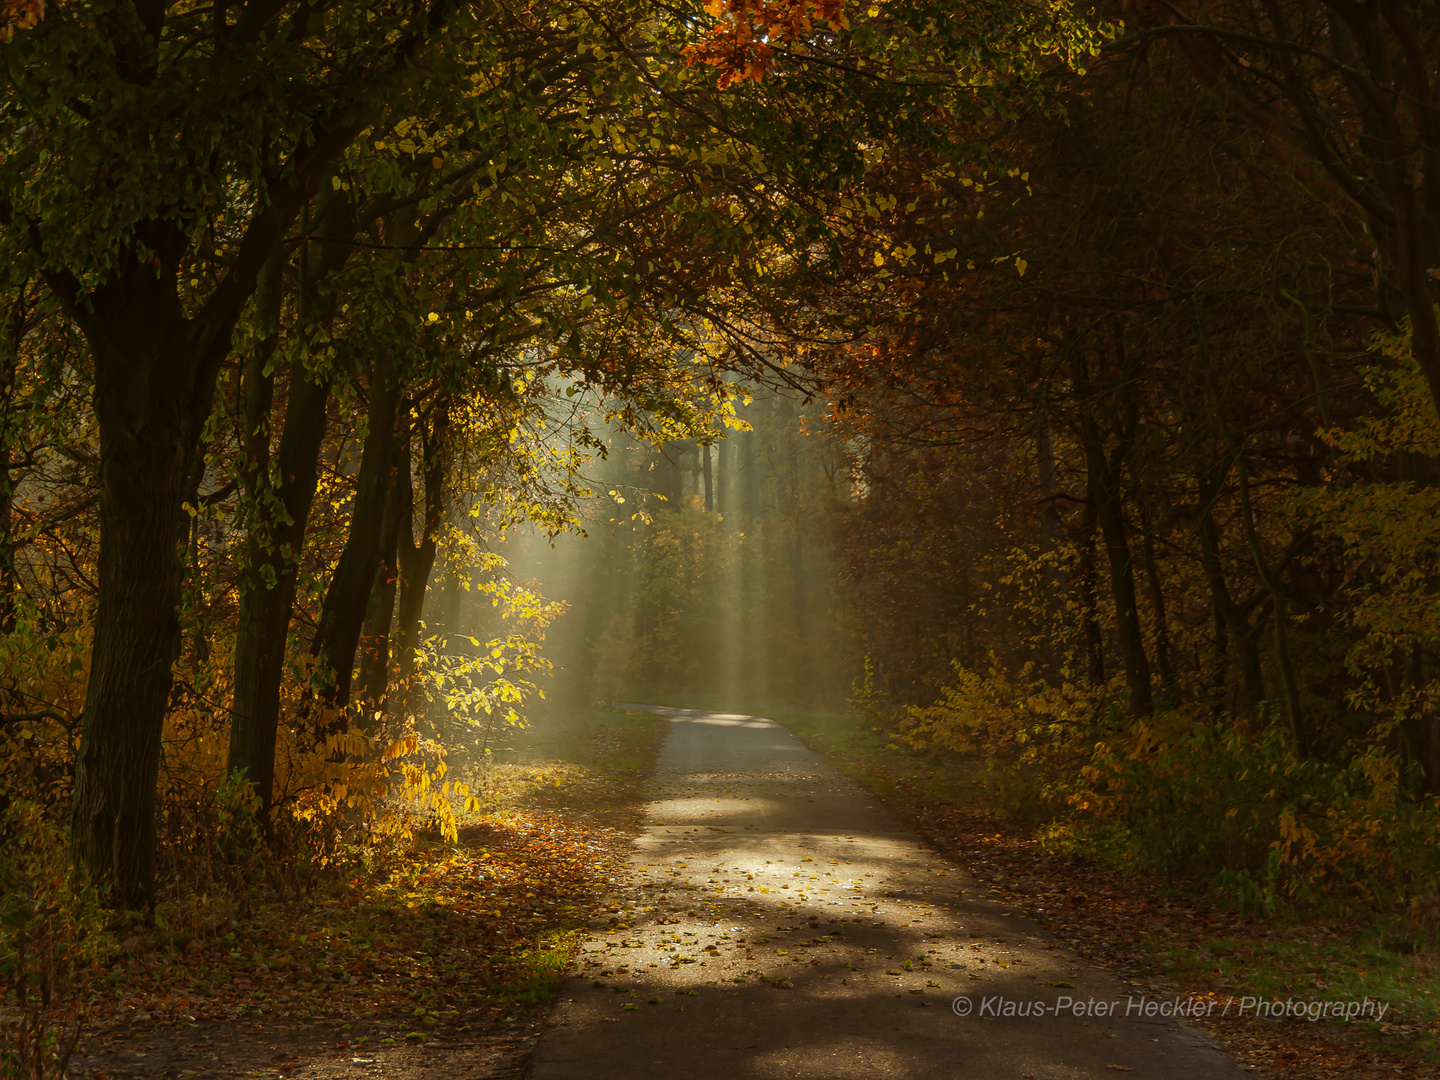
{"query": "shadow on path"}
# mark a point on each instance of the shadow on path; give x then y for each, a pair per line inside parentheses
(786, 926)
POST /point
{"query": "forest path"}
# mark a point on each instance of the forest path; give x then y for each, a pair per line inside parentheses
(781, 920)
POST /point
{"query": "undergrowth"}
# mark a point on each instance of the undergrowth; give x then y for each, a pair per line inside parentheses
(387, 918)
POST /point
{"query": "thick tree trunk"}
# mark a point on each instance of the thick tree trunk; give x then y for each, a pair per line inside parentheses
(137, 638)
(341, 615)
(155, 377)
(155, 371)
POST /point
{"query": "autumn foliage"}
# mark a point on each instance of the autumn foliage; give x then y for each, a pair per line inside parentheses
(18, 15)
(1143, 455)
(748, 32)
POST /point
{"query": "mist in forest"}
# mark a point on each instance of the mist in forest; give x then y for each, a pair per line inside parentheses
(704, 575)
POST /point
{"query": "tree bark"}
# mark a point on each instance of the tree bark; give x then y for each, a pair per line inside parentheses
(267, 598)
(751, 469)
(281, 493)
(1051, 531)
(155, 378)
(1104, 475)
(1289, 681)
(338, 634)
(705, 468)
(1093, 641)
(417, 558)
(670, 484)
(9, 368)
(1109, 514)
(1252, 681)
(722, 476)
(380, 610)
(1164, 654)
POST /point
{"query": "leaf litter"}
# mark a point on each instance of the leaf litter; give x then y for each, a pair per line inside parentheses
(447, 961)
(1162, 941)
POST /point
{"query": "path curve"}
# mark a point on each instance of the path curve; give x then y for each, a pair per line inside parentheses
(778, 923)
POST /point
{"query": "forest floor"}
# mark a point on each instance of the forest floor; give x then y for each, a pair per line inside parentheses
(1164, 936)
(449, 956)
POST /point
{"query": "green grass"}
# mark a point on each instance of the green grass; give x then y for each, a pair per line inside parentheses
(1307, 963)
(537, 973)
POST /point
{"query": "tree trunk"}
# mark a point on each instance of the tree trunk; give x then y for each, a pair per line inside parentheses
(1087, 581)
(1052, 531)
(14, 334)
(1103, 475)
(137, 638)
(380, 610)
(709, 478)
(751, 468)
(1252, 681)
(671, 483)
(276, 540)
(1164, 655)
(801, 674)
(722, 475)
(417, 558)
(155, 377)
(1289, 681)
(155, 372)
(338, 633)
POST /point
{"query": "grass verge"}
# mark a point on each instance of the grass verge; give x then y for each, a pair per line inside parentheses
(1164, 936)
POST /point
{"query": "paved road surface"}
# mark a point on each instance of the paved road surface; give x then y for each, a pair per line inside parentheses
(778, 924)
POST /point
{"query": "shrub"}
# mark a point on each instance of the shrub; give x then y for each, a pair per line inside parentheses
(50, 938)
